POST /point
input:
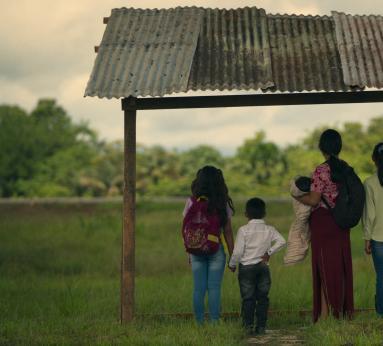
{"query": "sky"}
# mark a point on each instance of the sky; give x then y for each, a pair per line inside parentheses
(47, 51)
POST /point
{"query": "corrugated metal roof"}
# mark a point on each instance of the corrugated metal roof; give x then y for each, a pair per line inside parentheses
(233, 51)
(158, 52)
(145, 52)
(304, 53)
(360, 42)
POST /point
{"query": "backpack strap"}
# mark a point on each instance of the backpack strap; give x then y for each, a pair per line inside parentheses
(324, 200)
(195, 202)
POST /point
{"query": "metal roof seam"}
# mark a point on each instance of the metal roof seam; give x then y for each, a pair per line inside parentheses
(161, 51)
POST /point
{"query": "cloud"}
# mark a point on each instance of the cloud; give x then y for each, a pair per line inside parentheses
(70, 89)
(105, 116)
(47, 51)
(13, 93)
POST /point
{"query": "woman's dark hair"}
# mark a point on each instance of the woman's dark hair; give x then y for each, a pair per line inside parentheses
(377, 156)
(330, 143)
(210, 183)
(255, 208)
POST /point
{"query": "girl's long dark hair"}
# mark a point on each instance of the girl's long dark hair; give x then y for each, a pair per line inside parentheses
(377, 156)
(210, 183)
(330, 143)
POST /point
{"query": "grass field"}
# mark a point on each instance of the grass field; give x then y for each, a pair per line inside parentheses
(59, 281)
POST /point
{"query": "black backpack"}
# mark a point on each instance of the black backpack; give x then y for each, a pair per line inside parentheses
(350, 201)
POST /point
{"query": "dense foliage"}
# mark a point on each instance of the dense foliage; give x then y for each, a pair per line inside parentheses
(45, 154)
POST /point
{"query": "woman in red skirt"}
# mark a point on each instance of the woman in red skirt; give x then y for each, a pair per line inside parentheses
(330, 245)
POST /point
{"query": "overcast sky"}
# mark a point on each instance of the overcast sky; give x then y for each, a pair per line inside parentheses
(47, 51)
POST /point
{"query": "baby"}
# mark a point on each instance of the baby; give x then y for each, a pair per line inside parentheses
(299, 234)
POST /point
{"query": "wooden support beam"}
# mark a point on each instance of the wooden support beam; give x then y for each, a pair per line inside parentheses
(280, 99)
(233, 314)
(129, 215)
(130, 106)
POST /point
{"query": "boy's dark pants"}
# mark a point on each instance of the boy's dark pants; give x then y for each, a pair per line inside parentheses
(254, 283)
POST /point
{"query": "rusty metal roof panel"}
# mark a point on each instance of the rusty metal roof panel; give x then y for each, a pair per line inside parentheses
(158, 52)
(360, 42)
(304, 53)
(233, 51)
(145, 52)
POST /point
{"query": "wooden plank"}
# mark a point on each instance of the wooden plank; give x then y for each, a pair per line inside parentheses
(129, 211)
(234, 314)
(281, 99)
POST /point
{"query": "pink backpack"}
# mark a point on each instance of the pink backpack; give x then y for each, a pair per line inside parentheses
(201, 230)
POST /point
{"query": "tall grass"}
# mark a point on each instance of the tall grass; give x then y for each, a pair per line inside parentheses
(59, 279)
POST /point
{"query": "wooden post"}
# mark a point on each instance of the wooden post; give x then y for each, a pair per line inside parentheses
(129, 214)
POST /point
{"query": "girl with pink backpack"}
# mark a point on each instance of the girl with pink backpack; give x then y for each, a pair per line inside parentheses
(207, 215)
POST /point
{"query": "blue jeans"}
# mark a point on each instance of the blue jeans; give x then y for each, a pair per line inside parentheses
(207, 276)
(377, 256)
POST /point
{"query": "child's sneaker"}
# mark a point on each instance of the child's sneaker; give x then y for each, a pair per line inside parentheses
(260, 331)
(249, 331)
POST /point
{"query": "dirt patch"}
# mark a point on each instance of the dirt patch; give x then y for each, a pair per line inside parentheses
(278, 337)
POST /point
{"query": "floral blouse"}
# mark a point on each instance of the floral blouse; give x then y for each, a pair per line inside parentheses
(321, 182)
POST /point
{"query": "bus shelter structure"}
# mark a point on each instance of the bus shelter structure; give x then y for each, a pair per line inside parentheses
(146, 54)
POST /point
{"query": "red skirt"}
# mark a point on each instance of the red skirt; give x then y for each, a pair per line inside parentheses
(331, 265)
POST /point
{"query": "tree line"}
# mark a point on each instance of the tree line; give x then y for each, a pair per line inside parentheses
(43, 153)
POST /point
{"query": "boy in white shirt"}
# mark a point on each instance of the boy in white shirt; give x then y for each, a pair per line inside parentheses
(252, 250)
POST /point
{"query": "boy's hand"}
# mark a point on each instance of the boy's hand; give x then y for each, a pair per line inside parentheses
(232, 269)
(265, 258)
(367, 247)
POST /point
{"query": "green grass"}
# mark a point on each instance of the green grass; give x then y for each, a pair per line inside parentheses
(59, 281)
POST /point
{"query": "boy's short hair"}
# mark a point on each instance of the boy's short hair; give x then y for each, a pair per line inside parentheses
(255, 208)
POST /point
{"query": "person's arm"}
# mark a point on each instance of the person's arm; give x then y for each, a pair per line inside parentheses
(239, 249)
(228, 235)
(278, 240)
(318, 183)
(184, 212)
(312, 198)
(187, 207)
(368, 218)
(367, 247)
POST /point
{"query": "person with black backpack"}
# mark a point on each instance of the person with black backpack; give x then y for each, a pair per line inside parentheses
(337, 200)
(372, 222)
(207, 215)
